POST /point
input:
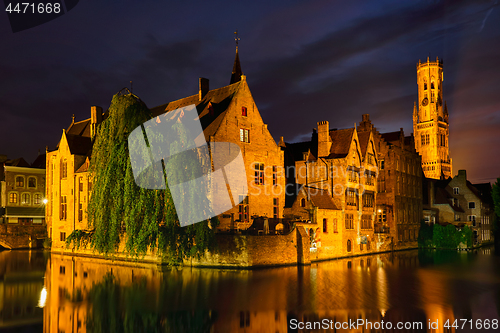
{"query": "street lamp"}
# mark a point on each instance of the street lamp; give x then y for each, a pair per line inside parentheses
(45, 201)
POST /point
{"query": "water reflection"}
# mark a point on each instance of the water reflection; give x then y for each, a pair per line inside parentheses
(91, 295)
(21, 285)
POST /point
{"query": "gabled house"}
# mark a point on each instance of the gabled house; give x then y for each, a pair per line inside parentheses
(333, 165)
(456, 201)
(227, 114)
(399, 187)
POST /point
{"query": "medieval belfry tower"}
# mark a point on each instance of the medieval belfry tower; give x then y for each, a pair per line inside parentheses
(430, 121)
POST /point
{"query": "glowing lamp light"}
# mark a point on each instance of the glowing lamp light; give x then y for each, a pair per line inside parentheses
(43, 298)
(45, 201)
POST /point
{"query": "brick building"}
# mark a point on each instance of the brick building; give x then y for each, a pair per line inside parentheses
(430, 121)
(399, 198)
(22, 192)
(456, 201)
(227, 114)
(337, 181)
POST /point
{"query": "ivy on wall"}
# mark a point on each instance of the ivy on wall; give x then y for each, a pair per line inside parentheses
(119, 210)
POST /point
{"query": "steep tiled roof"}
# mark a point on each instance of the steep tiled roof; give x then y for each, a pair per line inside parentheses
(18, 162)
(39, 162)
(79, 145)
(391, 136)
(219, 100)
(321, 198)
(81, 128)
(485, 192)
(363, 141)
(341, 142)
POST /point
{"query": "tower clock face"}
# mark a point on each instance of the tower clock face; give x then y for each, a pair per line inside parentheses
(425, 101)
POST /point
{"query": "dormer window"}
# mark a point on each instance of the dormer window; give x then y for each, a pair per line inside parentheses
(243, 111)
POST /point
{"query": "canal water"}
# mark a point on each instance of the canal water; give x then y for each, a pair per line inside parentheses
(444, 291)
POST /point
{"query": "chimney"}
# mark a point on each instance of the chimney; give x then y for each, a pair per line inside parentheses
(95, 119)
(365, 123)
(462, 174)
(324, 140)
(204, 88)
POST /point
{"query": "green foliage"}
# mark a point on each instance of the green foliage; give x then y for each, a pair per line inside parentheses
(445, 237)
(120, 210)
(425, 235)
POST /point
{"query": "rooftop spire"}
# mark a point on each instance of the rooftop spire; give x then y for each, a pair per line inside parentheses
(236, 74)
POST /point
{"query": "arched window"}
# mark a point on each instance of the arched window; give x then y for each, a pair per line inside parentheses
(425, 83)
(12, 197)
(32, 182)
(432, 83)
(303, 202)
(349, 245)
(25, 198)
(19, 181)
(37, 199)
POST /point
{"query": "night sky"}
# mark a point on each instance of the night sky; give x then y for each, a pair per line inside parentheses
(305, 61)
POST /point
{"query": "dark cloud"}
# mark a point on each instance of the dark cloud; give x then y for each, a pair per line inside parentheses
(305, 62)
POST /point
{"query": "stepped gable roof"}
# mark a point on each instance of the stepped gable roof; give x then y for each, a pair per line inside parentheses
(217, 99)
(79, 145)
(364, 137)
(341, 142)
(81, 128)
(18, 162)
(39, 162)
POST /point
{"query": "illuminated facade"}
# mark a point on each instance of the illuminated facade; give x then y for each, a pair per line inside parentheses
(337, 173)
(430, 121)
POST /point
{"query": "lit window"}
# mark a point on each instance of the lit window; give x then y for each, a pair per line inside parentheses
(19, 181)
(13, 197)
(25, 198)
(37, 199)
(244, 135)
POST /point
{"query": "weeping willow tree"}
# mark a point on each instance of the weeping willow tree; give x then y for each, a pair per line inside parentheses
(119, 210)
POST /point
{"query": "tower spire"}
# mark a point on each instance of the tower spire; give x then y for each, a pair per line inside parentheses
(237, 72)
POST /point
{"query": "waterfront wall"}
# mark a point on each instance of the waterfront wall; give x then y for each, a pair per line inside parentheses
(253, 251)
(20, 236)
(257, 251)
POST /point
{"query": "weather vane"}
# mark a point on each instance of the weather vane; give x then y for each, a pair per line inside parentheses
(236, 38)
